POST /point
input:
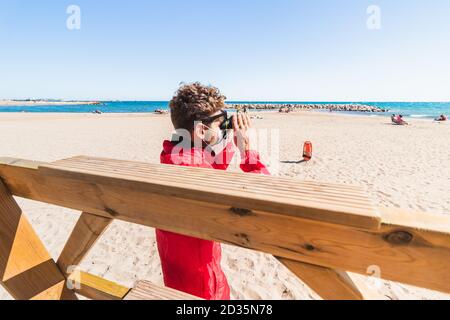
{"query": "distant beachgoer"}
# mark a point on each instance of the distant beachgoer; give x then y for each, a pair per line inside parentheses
(442, 118)
(161, 111)
(401, 121)
(398, 120)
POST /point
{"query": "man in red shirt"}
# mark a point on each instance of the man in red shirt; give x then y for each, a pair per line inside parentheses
(198, 113)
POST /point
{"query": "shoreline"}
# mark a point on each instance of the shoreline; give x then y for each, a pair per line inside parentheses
(349, 114)
(413, 110)
(40, 103)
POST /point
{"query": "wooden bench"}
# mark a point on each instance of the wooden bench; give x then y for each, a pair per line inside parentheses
(145, 290)
(319, 231)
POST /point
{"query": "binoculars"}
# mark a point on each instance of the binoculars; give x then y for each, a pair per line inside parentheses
(227, 124)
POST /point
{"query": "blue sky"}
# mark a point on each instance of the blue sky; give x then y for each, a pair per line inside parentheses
(298, 50)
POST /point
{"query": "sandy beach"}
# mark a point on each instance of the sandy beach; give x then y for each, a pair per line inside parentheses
(400, 167)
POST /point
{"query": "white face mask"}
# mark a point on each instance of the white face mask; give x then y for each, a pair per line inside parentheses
(211, 133)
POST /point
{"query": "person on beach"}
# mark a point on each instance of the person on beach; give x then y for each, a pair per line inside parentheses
(442, 118)
(398, 120)
(189, 264)
(401, 121)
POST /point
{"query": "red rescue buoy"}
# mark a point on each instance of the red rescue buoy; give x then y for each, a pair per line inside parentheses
(307, 151)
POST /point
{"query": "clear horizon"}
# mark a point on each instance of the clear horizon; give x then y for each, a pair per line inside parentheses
(229, 101)
(283, 51)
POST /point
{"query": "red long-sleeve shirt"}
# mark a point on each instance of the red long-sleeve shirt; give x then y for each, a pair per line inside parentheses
(189, 264)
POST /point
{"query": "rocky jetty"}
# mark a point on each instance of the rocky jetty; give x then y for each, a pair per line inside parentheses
(303, 107)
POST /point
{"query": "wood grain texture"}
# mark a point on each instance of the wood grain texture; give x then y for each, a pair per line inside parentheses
(87, 231)
(148, 291)
(406, 253)
(10, 215)
(96, 288)
(53, 293)
(346, 205)
(327, 283)
(26, 252)
(416, 220)
(26, 268)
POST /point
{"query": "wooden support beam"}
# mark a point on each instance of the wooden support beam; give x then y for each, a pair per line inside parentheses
(87, 231)
(329, 284)
(96, 288)
(26, 269)
(413, 253)
(53, 293)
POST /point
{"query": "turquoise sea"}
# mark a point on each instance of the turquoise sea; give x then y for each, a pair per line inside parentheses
(409, 109)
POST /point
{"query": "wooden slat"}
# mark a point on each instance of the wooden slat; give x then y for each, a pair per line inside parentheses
(145, 290)
(96, 288)
(416, 220)
(404, 253)
(327, 283)
(26, 268)
(87, 231)
(341, 205)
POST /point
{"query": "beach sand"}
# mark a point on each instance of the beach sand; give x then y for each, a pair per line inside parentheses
(400, 167)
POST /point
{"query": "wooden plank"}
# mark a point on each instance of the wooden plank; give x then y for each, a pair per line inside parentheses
(96, 288)
(416, 220)
(344, 205)
(24, 254)
(87, 231)
(26, 268)
(370, 291)
(148, 291)
(53, 293)
(327, 283)
(404, 253)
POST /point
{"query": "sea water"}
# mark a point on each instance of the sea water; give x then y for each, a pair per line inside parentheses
(429, 110)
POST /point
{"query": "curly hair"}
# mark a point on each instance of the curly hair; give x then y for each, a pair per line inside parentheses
(193, 102)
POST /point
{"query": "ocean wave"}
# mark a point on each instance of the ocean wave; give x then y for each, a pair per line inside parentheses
(419, 116)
